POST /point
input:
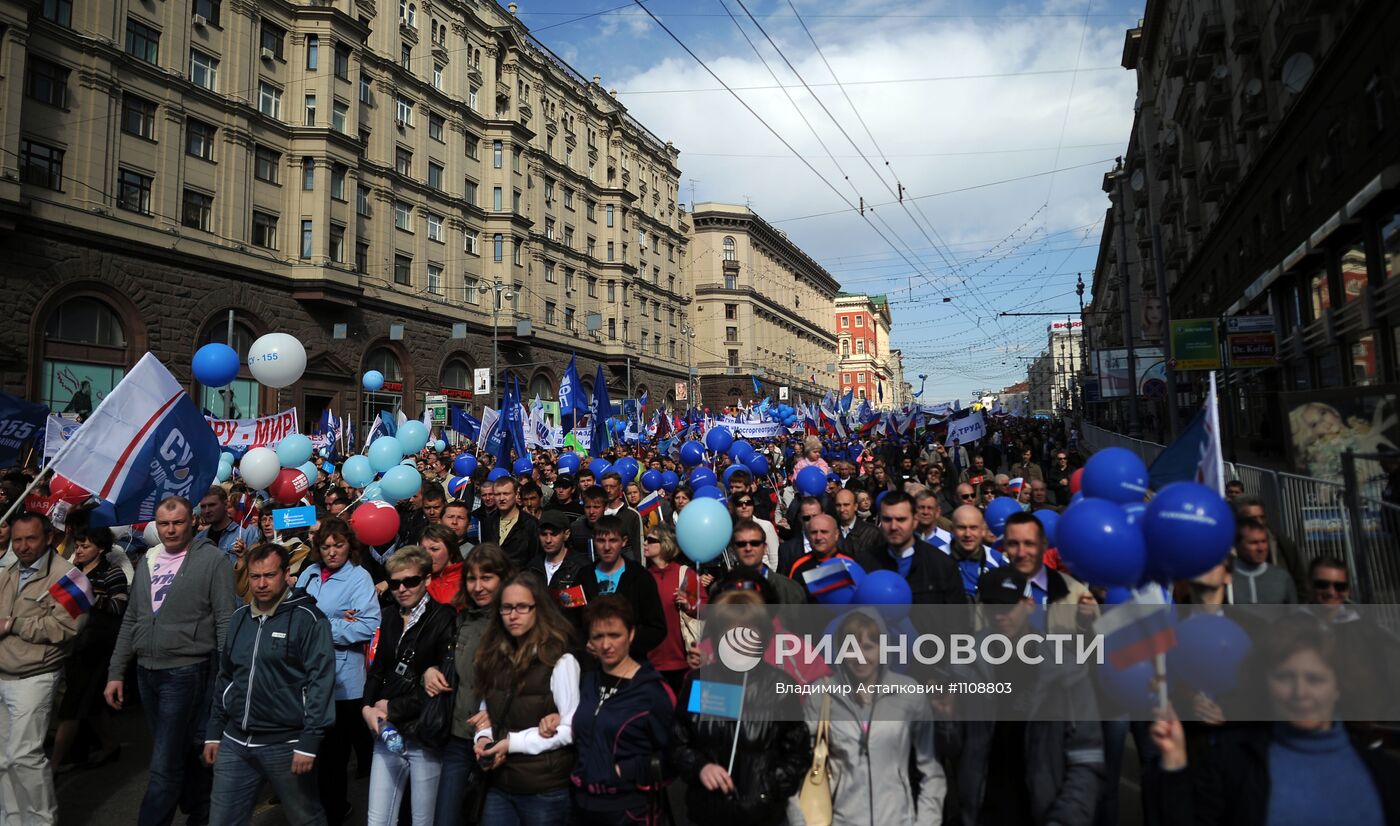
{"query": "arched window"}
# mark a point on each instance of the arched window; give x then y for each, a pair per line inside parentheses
(845, 348)
(457, 376)
(540, 386)
(390, 397)
(85, 355)
(240, 399)
(729, 251)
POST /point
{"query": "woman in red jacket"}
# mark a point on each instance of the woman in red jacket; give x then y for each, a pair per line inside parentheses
(681, 590)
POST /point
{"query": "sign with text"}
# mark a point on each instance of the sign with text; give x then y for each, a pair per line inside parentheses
(968, 429)
(1195, 344)
(481, 381)
(437, 409)
(287, 519)
(248, 433)
(1252, 349)
(782, 394)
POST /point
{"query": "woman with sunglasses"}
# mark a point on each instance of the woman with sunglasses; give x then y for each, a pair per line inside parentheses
(681, 589)
(526, 673)
(416, 636)
(743, 506)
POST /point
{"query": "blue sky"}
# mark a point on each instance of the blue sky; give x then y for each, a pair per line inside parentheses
(967, 107)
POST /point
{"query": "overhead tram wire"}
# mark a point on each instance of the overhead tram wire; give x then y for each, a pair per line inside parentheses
(1069, 102)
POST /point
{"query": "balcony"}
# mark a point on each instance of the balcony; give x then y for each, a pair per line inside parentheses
(1192, 213)
(1210, 32)
(1217, 99)
(1246, 35)
(1201, 63)
(1164, 159)
(1171, 198)
(474, 75)
(1205, 128)
(1176, 62)
(1254, 111)
(1189, 163)
(1294, 31)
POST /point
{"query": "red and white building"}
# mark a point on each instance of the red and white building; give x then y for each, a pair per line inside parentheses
(865, 362)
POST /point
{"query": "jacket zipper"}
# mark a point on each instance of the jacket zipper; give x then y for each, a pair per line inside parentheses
(252, 675)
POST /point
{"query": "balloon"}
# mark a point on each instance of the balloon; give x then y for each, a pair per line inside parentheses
(373, 493)
(710, 492)
(439, 446)
(457, 484)
(277, 360)
(216, 365)
(223, 473)
(1050, 520)
(289, 486)
(730, 471)
(1115, 474)
(497, 473)
(373, 381)
(703, 529)
(1117, 595)
(598, 467)
(384, 453)
(651, 481)
(719, 439)
(847, 594)
(227, 457)
(702, 476)
(1208, 653)
(1076, 480)
(1134, 511)
(357, 472)
(1099, 546)
(1189, 528)
(692, 453)
(997, 512)
(400, 482)
(568, 463)
(1077, 498)
(627, 468)
(259, 467)
(294, 450)
(523, 466)
(412, 436)
(741, 452)
(811, 481)
(1132, 688)
(310, 472)
(151, 535)
(61, 487)
(375, 523)
(670, 480)
(758, 465)
(888, 590)
(464, 465)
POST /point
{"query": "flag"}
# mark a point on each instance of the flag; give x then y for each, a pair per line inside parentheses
(1138, 629)
(145, 441)
(243, 510)
(571, 395)
(646, 394)
(57, 431)
(1015, 484)
(922, 381)
(880, 392)
(490, 431)
(383, 425)
(600, 409)
(757, 388)
(846, 401)
(827, 577)
(513, 419)
(464, 423)
(19, 421)
(1195, 455)
(649, 505)
(74, 592)
(571, 597)
(715, 699)
(349, 437)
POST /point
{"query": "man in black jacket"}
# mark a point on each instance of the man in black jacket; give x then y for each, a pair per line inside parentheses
(278, 649)
(933, 576)
(617, 506)
(857, 535)
(556, 564)
(595, 501)
(517, 532)
(611, 574)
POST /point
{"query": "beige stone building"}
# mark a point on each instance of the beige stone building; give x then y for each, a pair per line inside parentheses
(373, 178)
(762, 309)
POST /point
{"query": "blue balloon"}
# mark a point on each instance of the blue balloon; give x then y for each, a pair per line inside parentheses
(216, 365)
(702, 476)
(439, 446)
(1134, 512)
(372, 381)
(598, 467)
(997, 512)
(627, 468)
(1115, 474)
(400, 482)
(1132, 688)
(464, 465)
(294, 450)
(730, 471)
(1208, 653)
(1077, 498)
(719, 439)
(651, 481)
(741, 452)
(1116, 595)
(1189, 528)
(670, 480)
(569, 463)
(523, 466)
(692, 453)
(497, 473)
(888, 590)
(384, 453)
(457, 485)
(227, 457)
(412, 436)
(1050, 520)
(373, 493)
(710, 492)
(357, 471)
(758, 465)
(811, 481)
(1099, 546)
(703, 529)
(310, 472)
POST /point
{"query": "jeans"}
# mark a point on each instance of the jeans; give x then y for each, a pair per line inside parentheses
(239, 773)
(176, 703)
(510, 809)
(26, 778)
(460, 772)
(417, 767)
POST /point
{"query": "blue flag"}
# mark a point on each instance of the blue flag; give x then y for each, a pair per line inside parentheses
(464, 423)
(846, 401)
(20, 421)
(512, 414)
(601, 411)
(571, 396)
(757, 388)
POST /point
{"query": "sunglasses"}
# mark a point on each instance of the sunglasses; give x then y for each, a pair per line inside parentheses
(406, 582)
(967, 496)
(744, 503)
(651, 539)
(1329, 584)
(750, 543)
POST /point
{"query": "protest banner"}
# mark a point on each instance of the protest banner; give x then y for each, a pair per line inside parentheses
(242, 434)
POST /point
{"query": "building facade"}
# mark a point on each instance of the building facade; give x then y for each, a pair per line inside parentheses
(395, 186)
(867, 366)
(760, 312)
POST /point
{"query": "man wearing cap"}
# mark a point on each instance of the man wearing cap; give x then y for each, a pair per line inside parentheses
(556, 563)
(565, 497)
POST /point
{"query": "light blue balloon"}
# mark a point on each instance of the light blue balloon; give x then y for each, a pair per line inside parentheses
(294, 450)
(703, 529)
(224, 472)
(412, 436)
(385, 453)
(309, 469)
(227, 458)
(357, 472)
(400, 482)
(374, 493)
(439, 446)
(373, 380)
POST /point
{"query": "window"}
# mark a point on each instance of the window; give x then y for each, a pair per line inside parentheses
(730, 252)
(364, 87)
(612, 329)
(515, 160)
(473, 94)
(568, 279)
(403, 161)
(860, 345)
(568, 318)
(731, 282)
(437, 76)
(656, 344)
(1390, 248)
(340, 117)
(270, 100)
(469, 242)
(549, 190)
(134, 191)
(568, 199)
(361, 199)
(337, 243)
(592, 287)
(41, 165)
(308, 174)
(361, 257)
(313, 51)
(403, 216)
(47, 82)
(406, 56)
(731, 333)
(611, 250)
(672, 349)
(138, 117)
(469, 191)
(515, 257)
(733, 360)
(434, 227)
(204, 70)
(609, 209)
(59, 11)
(405, 112)
(472, 151)
(498, 248)
(671, 316)
(306, 235)
(549, 228)
(435, 175)
(549, 310)
(265, 163)
(845, 321)
(142, 41)
(612, 292)
(403, 270)
(435, 279)
(731, 312)
(310, 110)
(342, 61)
(1319, 288)
(550, 276)
(644, 309)
(435, 124)
(588, 210)
(473, 294)
(670, 252)
(496, 199)
(845, 348)
(272, 37)
(496, 152)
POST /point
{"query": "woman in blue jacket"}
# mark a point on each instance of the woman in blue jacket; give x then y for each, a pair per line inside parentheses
(345, 593)
(622, 728)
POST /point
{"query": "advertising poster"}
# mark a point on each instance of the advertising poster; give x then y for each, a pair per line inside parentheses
(1111, 367)
(1324, 424)
(1196, 344)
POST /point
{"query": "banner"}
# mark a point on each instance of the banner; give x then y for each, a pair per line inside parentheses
(249, 433)
(968, 429)
(57, 431)
(939, 410)
(19, 422)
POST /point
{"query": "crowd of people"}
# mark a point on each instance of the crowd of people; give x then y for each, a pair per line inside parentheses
(524, 651)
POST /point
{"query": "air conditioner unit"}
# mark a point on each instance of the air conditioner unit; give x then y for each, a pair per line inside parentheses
(268, 54)
(400, 122)
(198, 21)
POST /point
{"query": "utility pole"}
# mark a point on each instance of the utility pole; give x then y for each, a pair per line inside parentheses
(1083, 344)
(1134, 416)
(1159, 260)
(501, 293)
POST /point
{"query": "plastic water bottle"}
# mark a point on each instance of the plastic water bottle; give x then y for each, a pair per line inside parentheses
(391, 737)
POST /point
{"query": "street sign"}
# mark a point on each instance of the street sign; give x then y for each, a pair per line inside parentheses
(681, 389)
(1249, 324)
(481, 381)
(1252, 349)
(437, 409)
(1195, 344)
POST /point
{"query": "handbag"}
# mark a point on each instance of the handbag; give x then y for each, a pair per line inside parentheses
(692, 629)
(814, 799)
(433, 726)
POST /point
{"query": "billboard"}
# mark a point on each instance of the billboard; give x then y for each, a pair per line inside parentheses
(1195, 344)
(1111, 367)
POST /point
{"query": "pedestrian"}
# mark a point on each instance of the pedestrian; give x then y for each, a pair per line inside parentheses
(933, 576)
(510, 527)
(681, 593)
(441, 544)
(612, 574)
(1256, 580)
(173, 629)
(273, 698)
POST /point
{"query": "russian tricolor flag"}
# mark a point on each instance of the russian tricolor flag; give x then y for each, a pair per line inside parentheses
(74, 592)
(649, 505)
(828, 577)
(1138, 629)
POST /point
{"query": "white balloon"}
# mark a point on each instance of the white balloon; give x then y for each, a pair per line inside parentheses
(259, 467)
(151, 535)
(277, 360)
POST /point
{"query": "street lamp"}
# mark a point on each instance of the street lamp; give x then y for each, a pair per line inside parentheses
(502, 293)
(688, 333)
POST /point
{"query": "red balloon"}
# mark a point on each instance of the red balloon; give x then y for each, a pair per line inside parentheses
(1075, 479)
(61, 487)
(289, 486)
(375, 523)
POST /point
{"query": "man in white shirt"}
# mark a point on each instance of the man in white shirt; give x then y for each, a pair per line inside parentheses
(927, 512)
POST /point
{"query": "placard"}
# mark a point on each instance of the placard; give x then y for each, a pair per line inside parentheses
(286, 519)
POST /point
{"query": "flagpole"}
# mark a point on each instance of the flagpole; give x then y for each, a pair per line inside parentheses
(62, 451)
(1219, 470)
(738, 723)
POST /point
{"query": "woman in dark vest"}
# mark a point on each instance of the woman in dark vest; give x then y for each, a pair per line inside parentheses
(526, 673)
